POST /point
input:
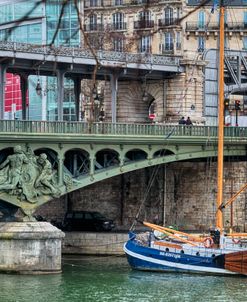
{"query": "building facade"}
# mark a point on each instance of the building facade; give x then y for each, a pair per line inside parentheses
(171, 28)
(40, 25)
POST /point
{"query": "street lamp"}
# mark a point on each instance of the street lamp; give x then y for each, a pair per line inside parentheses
(38, 88)
(94, 93)
(145, 96)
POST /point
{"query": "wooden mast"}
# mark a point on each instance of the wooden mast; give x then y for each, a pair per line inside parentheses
(219, 215)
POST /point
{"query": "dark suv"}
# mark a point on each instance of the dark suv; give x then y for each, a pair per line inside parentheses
(86, 221)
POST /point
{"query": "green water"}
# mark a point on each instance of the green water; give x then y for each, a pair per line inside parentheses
(111, 279)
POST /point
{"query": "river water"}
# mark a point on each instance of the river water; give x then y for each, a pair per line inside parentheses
(103, 279)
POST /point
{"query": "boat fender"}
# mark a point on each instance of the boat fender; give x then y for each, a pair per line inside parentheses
(208, 242)
(236, 241)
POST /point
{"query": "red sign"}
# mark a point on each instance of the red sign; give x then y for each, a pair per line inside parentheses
(152, 116)
(13, 101)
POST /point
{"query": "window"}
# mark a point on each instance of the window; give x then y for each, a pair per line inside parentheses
(201, 19)
(244, 43)
(145, 44)
(168, 16)
(178, 40)
(118, 2)
(226, 43)
(118, 21)
(118, 44)
(245, 19)
(225, 17)
(93, 3)
(145, 15)
(145, 19)
(93, 22)
(201, 44)
(169, 41)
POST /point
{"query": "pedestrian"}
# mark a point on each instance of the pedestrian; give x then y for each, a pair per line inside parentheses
(182, 121)
(188, 125)
(188, 121)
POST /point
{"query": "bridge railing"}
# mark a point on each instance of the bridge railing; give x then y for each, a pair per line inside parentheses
(82, 128)
(138, 58)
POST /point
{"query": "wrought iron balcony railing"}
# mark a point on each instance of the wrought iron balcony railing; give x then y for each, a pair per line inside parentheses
(168, 22)
(106, 27)
(109, 3)
(142, 24)
(229, 26)
(94, 27)
(118, 26)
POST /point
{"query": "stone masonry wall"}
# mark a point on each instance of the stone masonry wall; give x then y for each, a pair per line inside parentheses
(179, 96)
(185, 190)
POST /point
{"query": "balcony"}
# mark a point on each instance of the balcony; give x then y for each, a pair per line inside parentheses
(118, 26)
(143, 24)
(168, 22)
(94, 27)
(93, 3)
(113, 3)
(213, 27)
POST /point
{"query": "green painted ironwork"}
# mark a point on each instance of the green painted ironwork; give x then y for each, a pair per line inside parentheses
(19, 126)
(40, 161)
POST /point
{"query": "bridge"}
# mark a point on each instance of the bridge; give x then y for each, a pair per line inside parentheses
(76, 63)
(40, 161)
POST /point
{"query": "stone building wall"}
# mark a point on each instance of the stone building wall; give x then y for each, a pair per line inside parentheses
(185, 190)
(173, 97)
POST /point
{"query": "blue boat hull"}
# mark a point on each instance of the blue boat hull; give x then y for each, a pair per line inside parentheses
(151, 259)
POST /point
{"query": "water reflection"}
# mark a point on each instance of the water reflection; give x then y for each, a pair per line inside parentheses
(110, 279)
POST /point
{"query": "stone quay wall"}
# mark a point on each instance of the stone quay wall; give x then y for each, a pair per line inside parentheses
(94, 243)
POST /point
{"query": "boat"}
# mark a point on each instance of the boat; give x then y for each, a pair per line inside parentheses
(167, 250)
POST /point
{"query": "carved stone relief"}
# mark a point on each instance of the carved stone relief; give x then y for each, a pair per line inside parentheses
(28, 176)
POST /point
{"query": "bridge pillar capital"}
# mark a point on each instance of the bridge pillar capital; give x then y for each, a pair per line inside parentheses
(121, 160)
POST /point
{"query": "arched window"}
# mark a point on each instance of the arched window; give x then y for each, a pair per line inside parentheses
(145, 19)
(93, 22)
(118, 21)
(168, 16)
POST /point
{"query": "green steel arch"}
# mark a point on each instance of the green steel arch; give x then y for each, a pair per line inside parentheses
(39, 169)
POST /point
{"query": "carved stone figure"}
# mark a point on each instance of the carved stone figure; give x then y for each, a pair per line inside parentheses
(14, 165)
(46, 177)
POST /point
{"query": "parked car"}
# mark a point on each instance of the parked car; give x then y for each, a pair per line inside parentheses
(86, 221)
